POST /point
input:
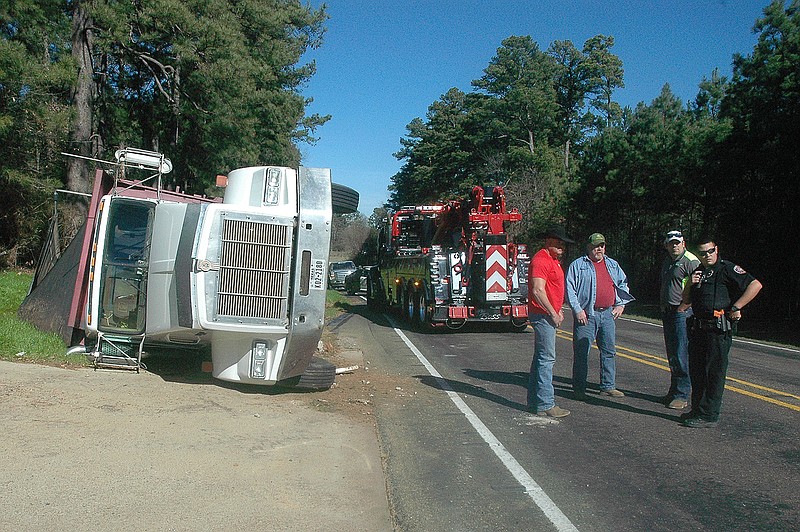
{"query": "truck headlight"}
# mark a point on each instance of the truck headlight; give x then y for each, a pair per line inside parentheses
(258, 360)
(273, 186)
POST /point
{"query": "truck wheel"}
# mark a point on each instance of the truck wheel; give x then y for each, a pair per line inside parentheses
(371, 303)
(408, 306)
(344, 200)
(376, 294)
(319, 375)
(421, 309)
(397, 304)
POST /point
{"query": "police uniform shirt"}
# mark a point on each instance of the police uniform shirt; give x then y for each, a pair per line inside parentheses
(720, 285)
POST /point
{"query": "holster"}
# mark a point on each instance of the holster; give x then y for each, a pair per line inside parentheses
(719, 323)
(723, 324)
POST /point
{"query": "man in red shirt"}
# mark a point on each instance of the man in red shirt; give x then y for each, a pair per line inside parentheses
(545, 299)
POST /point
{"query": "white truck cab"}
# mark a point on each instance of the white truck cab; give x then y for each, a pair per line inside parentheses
(245, 277)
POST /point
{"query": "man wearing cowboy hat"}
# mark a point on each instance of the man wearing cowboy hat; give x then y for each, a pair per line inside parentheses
(545, 299)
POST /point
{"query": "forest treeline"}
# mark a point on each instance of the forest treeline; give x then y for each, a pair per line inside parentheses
(544, 123)
(216, 84)
(212, 84)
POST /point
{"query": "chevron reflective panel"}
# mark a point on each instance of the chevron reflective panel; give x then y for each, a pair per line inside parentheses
(496, 268)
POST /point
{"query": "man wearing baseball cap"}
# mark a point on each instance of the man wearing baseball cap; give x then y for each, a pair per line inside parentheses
(597, 291)
(675, 272)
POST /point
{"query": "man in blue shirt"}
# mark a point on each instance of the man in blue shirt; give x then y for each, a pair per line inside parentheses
(597, 292)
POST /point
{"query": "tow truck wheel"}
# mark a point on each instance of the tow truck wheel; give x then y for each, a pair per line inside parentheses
(408, 307)
(422, 312)
(398, 300)
(376, 297)
(372, 298)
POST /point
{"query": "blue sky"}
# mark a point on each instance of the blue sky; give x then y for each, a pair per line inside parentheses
(383, 63)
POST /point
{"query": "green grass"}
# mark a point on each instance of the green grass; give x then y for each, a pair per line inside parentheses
(335, 303)
(20, 340)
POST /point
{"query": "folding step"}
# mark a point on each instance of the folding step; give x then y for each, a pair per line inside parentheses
(117, 352)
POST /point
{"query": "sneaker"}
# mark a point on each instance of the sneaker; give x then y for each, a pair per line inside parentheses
(689, 415)
(613, 392)
(699, 423)
(556, 411)
(678, 404)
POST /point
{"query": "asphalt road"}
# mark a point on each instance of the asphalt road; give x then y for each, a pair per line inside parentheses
(463, 454)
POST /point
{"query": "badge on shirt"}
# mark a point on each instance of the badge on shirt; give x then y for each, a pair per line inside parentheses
(739, 270)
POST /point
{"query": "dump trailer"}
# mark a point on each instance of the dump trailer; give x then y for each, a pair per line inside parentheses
(451, 263)
(244, 277)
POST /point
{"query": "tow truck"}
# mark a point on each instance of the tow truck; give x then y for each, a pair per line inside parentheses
(451, 263)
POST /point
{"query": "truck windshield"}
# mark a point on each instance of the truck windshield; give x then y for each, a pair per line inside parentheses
(416, 231)
(124, 266)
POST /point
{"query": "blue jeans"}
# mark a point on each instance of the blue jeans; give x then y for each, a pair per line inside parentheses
(676, 341)
(541, 395)
(603, 329)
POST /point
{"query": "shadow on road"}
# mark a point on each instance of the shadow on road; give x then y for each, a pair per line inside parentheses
(562, 385)
(183, 366)
(379, 317)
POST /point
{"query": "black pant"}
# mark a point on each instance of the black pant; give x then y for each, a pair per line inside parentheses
(708, 364)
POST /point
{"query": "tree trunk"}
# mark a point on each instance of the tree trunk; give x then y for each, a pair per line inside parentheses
(81, 130)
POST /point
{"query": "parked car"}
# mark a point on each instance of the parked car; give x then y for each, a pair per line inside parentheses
(338, 271)
(357, 281)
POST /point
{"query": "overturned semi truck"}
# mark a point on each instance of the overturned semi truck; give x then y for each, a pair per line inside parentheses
(244, 277)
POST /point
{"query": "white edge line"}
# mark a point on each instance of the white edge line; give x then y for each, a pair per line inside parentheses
(533, 490)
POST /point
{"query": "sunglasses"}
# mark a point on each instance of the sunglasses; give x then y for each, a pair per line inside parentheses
(707, 252)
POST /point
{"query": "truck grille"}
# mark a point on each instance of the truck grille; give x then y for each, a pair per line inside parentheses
(254, 270)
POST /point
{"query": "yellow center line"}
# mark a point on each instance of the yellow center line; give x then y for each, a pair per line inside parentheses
(621, 351)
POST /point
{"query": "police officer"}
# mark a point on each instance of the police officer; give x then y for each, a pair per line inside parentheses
(717, 293)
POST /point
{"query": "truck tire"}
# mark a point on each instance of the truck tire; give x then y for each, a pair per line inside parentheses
(371, 303)
(421, 310)
(344, 200)
(319, 375)
(376, 299)
(397, 303)
(408, 306)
